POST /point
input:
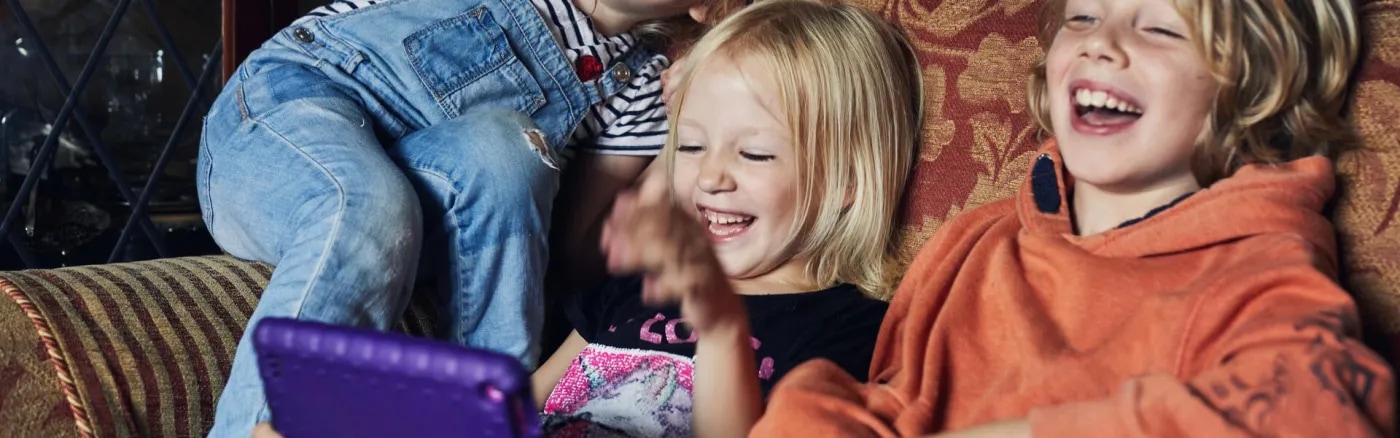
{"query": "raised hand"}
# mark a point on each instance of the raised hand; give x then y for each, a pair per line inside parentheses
(648, 234)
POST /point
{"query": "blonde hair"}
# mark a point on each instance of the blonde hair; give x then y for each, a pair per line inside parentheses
(849, 86)
(1284, 69)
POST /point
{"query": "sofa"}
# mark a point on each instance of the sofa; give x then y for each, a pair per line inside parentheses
(142, 349)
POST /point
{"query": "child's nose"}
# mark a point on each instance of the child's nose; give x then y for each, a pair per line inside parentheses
(1103, 46)
(714, 174)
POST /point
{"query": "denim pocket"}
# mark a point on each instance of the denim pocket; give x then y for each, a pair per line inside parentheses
(466, 62)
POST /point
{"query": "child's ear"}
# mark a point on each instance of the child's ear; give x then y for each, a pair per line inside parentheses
(700, 12)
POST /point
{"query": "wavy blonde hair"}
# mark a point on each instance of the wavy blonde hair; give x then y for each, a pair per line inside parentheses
(1284, 68)
(849, 86)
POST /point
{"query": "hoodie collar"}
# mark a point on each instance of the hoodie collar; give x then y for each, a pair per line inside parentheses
(1257, 199)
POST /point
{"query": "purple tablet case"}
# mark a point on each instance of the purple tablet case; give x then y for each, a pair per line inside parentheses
(328, 381)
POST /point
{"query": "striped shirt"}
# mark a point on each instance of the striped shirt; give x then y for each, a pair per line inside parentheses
(632, 121)
(337, 7)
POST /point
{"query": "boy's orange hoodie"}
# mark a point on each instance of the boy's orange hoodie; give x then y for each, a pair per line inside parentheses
(1217, 316)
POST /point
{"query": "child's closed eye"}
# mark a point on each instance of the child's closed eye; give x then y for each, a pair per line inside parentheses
(1080, 21)
(689, 149)
(751, 156)
(1166, 32)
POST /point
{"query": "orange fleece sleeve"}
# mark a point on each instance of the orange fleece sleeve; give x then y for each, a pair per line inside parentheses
(1272, 352)
(820, 399)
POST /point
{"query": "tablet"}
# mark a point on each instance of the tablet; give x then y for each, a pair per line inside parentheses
(331, 381)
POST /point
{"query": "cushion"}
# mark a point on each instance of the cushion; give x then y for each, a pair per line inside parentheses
(137, 349)
(1368, 205)
(31, 394)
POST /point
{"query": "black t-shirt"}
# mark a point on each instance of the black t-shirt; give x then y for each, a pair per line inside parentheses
(839, 324)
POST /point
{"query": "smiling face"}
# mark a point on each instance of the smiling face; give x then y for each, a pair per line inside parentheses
(1128, 94)
(735, 170)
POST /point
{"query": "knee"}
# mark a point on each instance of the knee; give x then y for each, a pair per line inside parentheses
(380, 209)
(515, 178)
(496, 157)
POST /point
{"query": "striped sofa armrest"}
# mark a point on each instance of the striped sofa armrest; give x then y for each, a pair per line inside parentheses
(135, 349)
(31, 403)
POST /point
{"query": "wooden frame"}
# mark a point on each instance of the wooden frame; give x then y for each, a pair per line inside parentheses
(248, 23)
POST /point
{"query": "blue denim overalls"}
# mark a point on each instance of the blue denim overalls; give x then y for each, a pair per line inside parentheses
(348, 144)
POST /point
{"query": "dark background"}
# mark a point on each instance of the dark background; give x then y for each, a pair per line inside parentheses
(134, 100)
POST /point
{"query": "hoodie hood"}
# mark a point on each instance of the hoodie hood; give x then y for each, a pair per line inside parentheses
(1258, 199)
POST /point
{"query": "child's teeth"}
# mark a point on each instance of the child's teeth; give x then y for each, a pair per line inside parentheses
(1101, 99)
(724, 219)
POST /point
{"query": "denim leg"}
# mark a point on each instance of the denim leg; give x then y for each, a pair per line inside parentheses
(487, 183)
(306, 185)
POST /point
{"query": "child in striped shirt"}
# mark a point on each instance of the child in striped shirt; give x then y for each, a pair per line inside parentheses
(370, 132)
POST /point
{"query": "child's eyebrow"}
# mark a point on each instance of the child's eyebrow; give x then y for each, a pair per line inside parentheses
(740, 133)
(689, 123)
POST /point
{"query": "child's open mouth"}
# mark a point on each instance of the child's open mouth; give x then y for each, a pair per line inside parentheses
(1102, 112)
(725, 225)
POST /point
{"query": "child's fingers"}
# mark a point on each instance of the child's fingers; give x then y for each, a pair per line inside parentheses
(649, 295)
(655, 189)
(644, 233)
(667, 85)
(620, 214)
(623, 205)
(656, 291)
(605, 238)
(651, 242)
(631, 244)
(630, 250)
(660, 290)
(614, 255)
(669, 81)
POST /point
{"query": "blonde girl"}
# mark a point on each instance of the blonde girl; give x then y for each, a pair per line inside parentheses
(793, 135)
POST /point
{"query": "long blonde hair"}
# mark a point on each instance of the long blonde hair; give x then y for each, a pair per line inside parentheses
(849, 85)
(1284, 68)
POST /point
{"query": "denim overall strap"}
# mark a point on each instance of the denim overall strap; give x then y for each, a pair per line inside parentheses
(617, 76)
(551, 63)
(425, 61)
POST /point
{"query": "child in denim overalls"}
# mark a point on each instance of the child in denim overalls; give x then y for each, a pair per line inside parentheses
(351, 141)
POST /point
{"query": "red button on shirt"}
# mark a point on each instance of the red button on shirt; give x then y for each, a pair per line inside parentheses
(588, 67)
